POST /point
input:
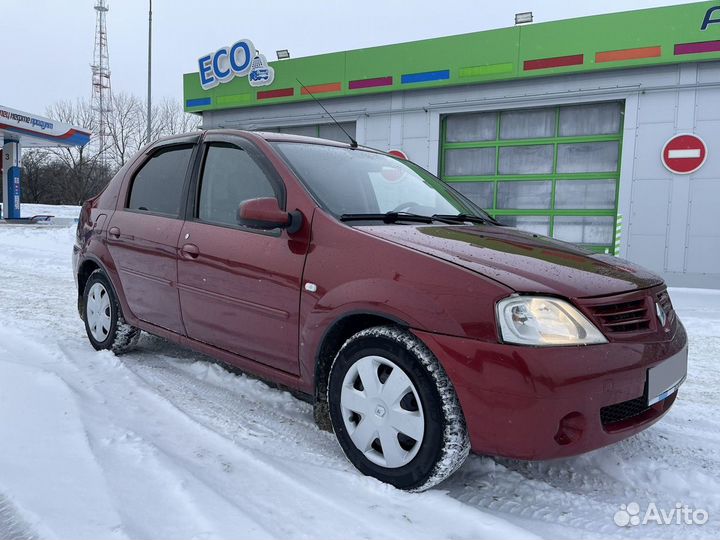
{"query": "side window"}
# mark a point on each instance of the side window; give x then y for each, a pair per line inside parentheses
(230, 176)
(158, 185)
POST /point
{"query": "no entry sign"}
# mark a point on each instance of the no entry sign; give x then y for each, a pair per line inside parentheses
(684, 153)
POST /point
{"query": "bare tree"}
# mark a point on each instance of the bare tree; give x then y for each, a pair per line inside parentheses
(127, 125)
(172, 119)
(35, 185)
(71, 175)
(85, 174)
(125, 128)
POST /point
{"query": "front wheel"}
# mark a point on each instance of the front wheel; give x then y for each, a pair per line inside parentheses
(104, 323)
(394, 410)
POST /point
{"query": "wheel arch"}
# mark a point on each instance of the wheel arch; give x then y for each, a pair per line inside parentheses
(85, 270)
(332, 340)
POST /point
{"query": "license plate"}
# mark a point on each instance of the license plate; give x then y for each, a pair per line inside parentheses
(667, 376)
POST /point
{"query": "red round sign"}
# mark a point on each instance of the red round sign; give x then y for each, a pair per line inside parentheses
(398, 153)
(684, 153)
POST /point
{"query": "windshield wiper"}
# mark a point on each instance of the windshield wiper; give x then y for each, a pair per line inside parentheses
(389, 217)
(465, 217)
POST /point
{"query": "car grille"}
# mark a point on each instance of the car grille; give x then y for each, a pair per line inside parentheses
(628, 316)
(612, 414)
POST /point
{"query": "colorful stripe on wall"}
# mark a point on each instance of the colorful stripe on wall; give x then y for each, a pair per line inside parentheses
(235, 99)
(488, 69)
(558, 61)
(370, 83)
(199, 102)
(627, 54)
(427, 76)
(698, 47)
(320, 88)
(281, 92)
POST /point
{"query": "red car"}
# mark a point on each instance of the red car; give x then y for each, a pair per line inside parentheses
(418, 326)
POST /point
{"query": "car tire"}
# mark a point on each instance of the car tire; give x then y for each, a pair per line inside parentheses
(394, 410)
(104, 323)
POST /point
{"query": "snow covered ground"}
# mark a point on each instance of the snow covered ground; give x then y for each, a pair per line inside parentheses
(163, 443)
(29, 210)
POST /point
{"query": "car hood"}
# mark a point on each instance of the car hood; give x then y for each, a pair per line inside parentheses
(520, 260)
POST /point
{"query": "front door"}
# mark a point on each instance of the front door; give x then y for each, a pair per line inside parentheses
(239, 287)
(143, 235)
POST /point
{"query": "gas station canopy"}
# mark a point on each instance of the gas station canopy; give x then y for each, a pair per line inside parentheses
(18, 129)
(33, 131)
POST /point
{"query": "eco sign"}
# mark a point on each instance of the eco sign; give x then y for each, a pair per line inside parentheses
(235, 61)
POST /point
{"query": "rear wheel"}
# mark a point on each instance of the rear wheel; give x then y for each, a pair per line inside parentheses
(394, 411)
(105, 326)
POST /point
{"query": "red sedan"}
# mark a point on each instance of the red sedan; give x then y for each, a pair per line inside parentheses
(418, 326)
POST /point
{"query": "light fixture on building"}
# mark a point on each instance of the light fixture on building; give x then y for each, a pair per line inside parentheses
(523, 18)
(283, 54)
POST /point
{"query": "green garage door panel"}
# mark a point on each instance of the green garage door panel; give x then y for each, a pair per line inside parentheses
(550, 170)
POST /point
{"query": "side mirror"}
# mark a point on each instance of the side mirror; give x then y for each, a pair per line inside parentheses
(264, 213)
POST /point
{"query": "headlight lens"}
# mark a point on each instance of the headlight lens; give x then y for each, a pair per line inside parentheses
(537, 320)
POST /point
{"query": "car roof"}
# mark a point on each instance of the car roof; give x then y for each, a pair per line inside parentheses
(267, 136)
(287, 137)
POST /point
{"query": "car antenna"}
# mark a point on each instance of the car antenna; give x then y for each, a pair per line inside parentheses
(353, 142)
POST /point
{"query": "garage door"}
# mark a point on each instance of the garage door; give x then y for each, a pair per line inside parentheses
(551, 170)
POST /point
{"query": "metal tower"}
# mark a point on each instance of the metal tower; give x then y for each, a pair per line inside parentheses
(101, 96)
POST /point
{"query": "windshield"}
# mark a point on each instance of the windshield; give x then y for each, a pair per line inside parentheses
(347, 181)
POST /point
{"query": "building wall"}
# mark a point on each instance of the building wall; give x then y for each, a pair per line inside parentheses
(671, 222)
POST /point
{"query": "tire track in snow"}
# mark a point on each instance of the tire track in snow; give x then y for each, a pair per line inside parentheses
(377, 510)
(47, 463)
(112, 446)
(192, 397)
(97, 422)
(241, 408)
(183, 504)
(12, 525)
(181, 498)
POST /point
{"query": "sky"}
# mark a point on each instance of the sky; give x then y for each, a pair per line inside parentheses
(48, 44)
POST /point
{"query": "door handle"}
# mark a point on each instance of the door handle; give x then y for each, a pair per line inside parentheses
(190, 251)
(114, 232)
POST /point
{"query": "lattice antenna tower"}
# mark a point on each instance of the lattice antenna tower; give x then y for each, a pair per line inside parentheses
(101, 94)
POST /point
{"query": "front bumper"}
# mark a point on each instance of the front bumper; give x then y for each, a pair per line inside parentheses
(547, 402)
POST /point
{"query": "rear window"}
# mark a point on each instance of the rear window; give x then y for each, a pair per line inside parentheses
(158, 185)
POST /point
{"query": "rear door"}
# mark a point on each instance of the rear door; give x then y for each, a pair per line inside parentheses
(239, 287)
(144, 230)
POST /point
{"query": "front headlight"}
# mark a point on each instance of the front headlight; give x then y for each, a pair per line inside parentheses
(537, 320)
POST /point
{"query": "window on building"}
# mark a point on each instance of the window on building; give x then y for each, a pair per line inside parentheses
(472, 127)
(549, 170)
(230, 176)
(158, 185)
